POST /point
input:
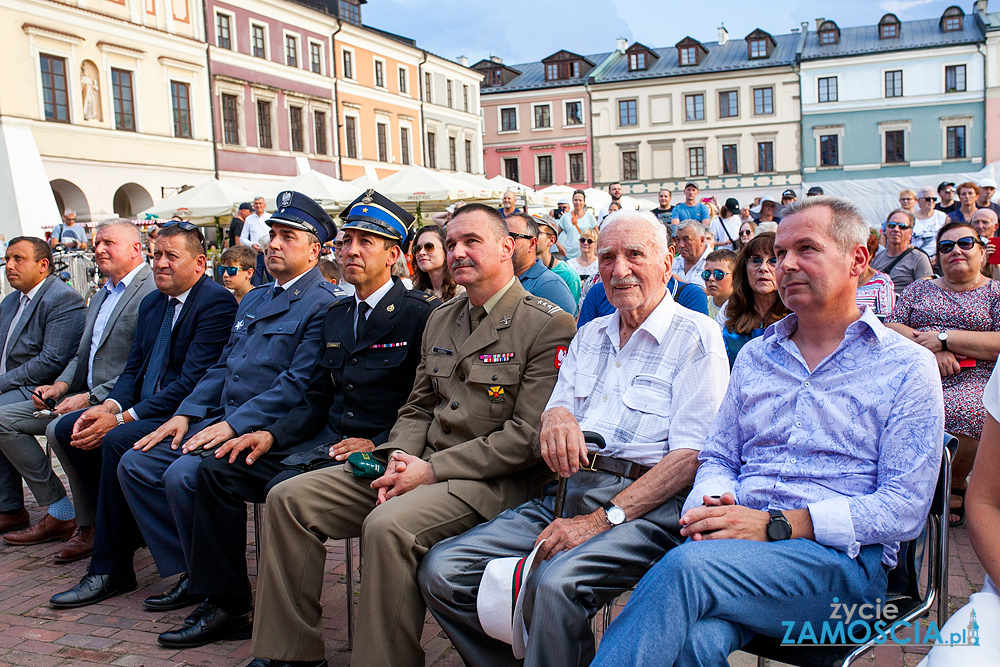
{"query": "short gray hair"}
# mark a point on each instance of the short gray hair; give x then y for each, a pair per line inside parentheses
(696, 225)
(124, 223)
(69, 212)
(909, 216)
(657, 231)
(848, 228)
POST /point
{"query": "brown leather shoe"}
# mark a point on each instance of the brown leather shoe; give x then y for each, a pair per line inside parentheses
(48, 529)
(79, 546)
(14, 520)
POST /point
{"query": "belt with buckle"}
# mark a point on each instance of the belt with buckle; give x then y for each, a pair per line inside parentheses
(620, 467)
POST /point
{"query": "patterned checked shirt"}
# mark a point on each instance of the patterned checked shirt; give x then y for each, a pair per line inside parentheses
(857, 441)
(658, 393)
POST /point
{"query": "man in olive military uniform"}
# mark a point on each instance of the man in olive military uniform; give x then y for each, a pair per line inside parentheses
(264, 371)
(369, 355)
(459, 454)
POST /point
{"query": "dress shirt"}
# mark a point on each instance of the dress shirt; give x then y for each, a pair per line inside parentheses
(287, 286)
(104, 314)
(21, 305)
(372, 301)
(857, 440)
(253, 227)
(693, 274)
(657, 393)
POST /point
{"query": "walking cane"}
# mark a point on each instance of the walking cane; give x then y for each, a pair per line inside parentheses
(590, 437)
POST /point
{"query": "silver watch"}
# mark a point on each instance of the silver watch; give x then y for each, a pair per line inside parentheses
(615, 515)
(120, 418)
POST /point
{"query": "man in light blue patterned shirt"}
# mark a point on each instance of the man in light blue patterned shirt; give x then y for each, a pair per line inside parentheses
(822, 459)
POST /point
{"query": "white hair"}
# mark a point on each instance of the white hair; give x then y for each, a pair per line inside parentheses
(657, 232)
(695, 225)
(129, 227)
(848, 228)
(69, 212)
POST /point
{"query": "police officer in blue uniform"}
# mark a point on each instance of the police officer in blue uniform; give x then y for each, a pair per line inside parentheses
(262, 374)
(370, 352)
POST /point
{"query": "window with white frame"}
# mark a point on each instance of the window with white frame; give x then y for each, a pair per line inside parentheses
(694, 106)
(729, 106)
(351, 136)
(574, 113)
(696, 161)
(379, 74)
(763, 101)
(122, 94)
(453, 153)
(180, 103)
(449, 93)
(894, 83)
(316, 57)
(382, 134)
(230, 119)
(428, 88)
(264, 123)
(319, 128)
(404, 80)
(542, 116)
(295, 129)
(827, 88)
(954, 79)
(54, 92)
(829, 150)
(224, 30)
(348, 60)
(895, 146)
(465, 97)
(291, 50)
(630, 165)
(468, 155)
(577, 168)
(258, 40)
(955, 146)
(404, 144)
(730, 159)
(544, 170)
(508, 119)
(430, 146)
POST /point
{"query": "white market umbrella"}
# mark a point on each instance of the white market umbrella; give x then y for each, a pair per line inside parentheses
(481, 182)
(327, 191)
(418, 184)
(549, 197)
(202, 203)
(502, 183)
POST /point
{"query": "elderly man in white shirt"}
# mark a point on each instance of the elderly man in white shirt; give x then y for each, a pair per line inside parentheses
(618, 379)
(254, 227)
(692, 243)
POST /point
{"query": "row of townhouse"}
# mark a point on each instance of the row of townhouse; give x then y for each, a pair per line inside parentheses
(125, 102)
(916, 99)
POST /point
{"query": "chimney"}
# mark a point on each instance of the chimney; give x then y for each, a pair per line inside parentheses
(463, 61)
(819, 22)
(723, 35)
(979, 6)
(496, 59)
(805, 26)
(621, 45)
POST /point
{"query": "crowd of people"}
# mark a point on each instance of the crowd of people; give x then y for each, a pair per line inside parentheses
(737, 411)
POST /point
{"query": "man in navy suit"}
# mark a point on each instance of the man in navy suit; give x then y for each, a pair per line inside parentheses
(271, 359)
(182, 328)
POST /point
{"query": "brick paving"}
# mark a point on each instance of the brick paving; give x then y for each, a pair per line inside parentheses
(119, 632)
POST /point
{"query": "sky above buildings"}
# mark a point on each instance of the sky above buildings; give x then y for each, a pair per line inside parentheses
(528, 30)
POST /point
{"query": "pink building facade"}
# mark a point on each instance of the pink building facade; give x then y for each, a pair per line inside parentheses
(536, 120)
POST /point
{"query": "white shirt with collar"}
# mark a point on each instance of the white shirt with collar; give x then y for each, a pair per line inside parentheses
(114, 295)
(372, 301)
(693, 274)
(22, 304)
(287, 286)
(253, 227)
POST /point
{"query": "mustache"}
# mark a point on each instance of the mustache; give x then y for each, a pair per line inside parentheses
(615, 282)
(458, 263)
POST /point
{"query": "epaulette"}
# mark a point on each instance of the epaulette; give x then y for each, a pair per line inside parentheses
(426, 297)
(332, 289)
(264, 286)
(345, 299)
(542, 304)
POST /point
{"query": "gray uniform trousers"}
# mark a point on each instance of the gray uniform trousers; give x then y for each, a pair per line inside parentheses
(565, 591)
(18, 428)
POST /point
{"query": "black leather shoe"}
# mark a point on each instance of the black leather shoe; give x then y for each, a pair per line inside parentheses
(177, 597)
(268, 662)
(92, 589)
(199, 611)
(214, 625)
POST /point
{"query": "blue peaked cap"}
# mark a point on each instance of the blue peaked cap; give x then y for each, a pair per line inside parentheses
(372, 212)
(300, 211)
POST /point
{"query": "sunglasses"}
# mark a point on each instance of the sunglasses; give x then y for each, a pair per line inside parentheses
(718, 274)
(931, 199)
(965, 243)
(746, 232)
(893, 225)
(756, 262)
(587, 241)
(230, 270)
(186, 226)
(515, 235)
(426, 247)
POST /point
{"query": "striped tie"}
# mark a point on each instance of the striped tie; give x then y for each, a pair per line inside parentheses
(159, 355)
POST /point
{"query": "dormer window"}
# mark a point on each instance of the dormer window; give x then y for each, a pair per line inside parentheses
(951, 20)
(888, 27)
(551, 72)
(497, 77)
(829, 33)
(565, 65)
(640, 57)
(350, 11)
(690, 52)
(760, 44)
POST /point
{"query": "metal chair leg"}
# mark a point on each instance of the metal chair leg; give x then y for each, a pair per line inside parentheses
(349, 556)
(258, 517)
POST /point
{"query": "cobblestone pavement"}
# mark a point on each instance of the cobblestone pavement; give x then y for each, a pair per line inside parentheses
(119, 632)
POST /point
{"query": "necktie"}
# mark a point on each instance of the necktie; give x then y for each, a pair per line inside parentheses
(362, 320)
(159, 355)
(476, 315)
(22, 302)
(277, 291)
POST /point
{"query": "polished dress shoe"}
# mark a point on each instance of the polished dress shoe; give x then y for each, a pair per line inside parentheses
(270, 662)
(177, 597)
(14, 520)
(213, 625)
(92, 589)
(49, 529)
(78, 547)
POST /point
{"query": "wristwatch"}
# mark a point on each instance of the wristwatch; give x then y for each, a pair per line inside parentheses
(92, 399)
(614, 514)
(778, 527)
(943, 337)
(120, 418)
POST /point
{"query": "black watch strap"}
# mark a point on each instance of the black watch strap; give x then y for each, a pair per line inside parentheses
(778, 527)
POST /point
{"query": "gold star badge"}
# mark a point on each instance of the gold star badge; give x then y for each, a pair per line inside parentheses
(364, 210)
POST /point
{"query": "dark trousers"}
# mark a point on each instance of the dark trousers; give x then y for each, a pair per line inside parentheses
(116, 534)
(219, 536)
(260, 276)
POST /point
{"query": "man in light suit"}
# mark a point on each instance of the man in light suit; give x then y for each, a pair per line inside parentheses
(41, 323)
(86, 380)
(181, 330)
(271, 359)
(459, 454)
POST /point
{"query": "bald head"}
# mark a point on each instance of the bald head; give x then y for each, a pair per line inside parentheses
(509, 199)
(985, 221)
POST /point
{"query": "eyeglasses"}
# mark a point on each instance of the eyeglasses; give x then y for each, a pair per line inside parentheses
(930, 199)
(515, 235)
(231, 270)
(893, 225)
(756, 262)
(965, 243)
(949, 191)
(587, 241)
(718, 274)
(70, 219)
(426, 247)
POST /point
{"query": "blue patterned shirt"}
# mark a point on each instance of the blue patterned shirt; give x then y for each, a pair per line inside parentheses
(857, 440)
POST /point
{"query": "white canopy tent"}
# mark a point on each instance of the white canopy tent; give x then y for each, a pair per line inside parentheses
(420, 185)
(201, 204)
(331, 194)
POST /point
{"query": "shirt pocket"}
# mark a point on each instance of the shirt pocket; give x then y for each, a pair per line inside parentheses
(385, 358)
(277, 342)
(494, 389)
(440, 368)
(650, 395)
(583, 385)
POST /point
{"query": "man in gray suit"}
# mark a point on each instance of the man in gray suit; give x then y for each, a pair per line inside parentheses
(86, 380)
(40, 328)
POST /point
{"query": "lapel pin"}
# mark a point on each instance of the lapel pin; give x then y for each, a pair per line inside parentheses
(239, 325)
(504, 321)
(295, 293)
(391, 307)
